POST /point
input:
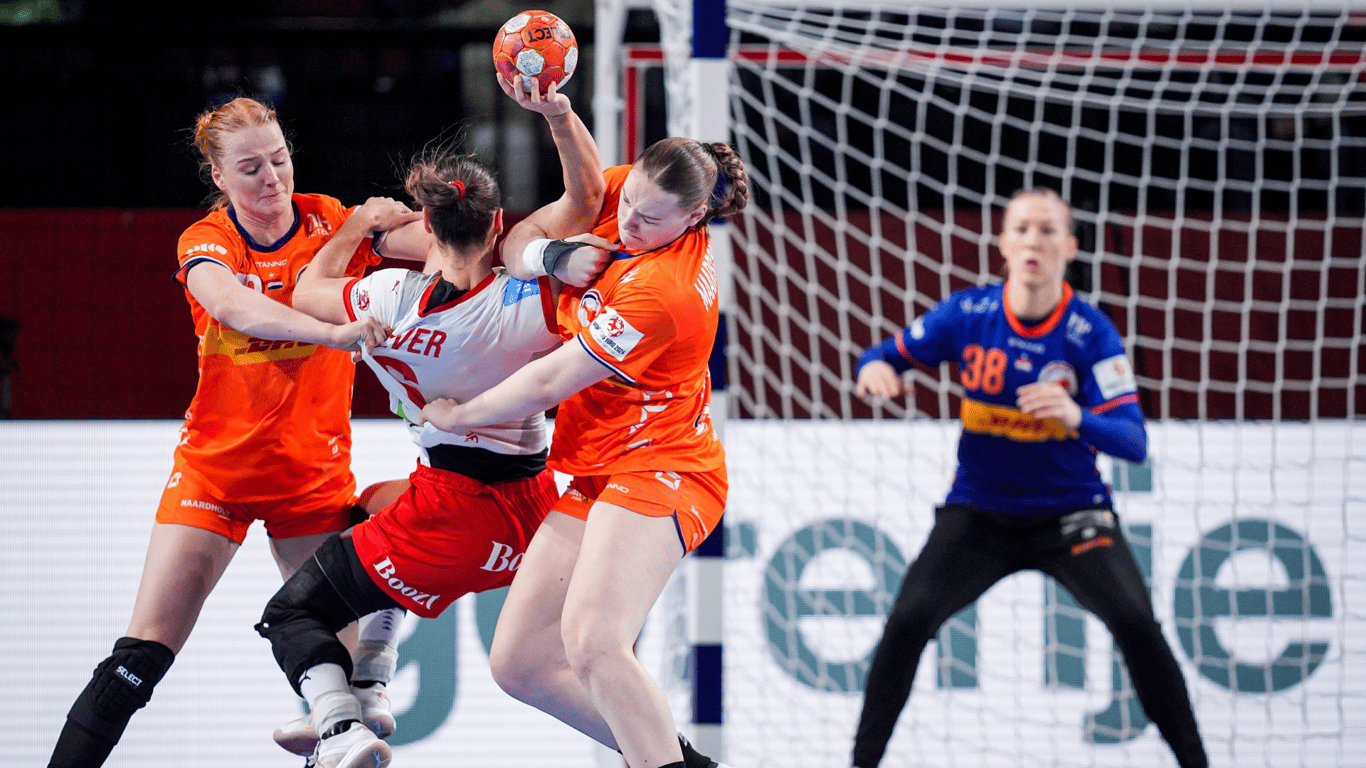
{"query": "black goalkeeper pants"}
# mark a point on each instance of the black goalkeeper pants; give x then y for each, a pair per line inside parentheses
(970, 549)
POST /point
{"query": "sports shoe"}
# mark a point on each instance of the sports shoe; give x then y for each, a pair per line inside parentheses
(355, 747)
(299, 737)
(376, 711)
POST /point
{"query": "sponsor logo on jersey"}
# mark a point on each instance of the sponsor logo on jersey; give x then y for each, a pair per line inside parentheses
(1026, 345)
(616, 336)
(362, 299)
(1115, 377)
(269, 264)
(387, 570)
(316, 226)
(1004, 421)
(248, 350)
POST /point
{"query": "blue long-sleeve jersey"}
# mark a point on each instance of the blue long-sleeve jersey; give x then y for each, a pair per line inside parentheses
(1008, 460)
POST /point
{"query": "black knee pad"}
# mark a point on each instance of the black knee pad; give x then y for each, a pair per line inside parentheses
(301, 621)
(122, 684)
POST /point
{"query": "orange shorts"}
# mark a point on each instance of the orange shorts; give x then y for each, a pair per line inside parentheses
(695, 500)
(189, 499)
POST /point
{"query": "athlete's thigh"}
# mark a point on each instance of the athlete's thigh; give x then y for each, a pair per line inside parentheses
(624, 562)
(531, 611)
(964, 548)
(183, 565)
(291, 553)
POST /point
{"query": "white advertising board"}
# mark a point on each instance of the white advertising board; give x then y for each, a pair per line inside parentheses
(77, 500)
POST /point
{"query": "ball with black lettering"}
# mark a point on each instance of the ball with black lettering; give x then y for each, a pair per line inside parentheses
(535, 44)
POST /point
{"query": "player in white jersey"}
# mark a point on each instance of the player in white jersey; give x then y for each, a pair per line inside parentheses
(462, 520)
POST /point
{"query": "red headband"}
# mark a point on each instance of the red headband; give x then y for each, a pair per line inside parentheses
(460, 185)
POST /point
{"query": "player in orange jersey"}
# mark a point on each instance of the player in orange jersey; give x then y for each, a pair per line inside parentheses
(634, 432)
(267, 436)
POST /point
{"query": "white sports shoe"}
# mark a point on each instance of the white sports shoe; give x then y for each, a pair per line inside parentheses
(356, 747)
(376, 711)
(298, 735)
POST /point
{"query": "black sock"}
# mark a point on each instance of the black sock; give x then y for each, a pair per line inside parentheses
(341, 726)
(79, 748)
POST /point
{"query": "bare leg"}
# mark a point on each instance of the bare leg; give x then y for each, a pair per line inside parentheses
(528, 657)
(183, 565)
(624, 562)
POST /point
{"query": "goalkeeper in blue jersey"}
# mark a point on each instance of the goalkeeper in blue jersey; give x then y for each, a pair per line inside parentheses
(1046, 384)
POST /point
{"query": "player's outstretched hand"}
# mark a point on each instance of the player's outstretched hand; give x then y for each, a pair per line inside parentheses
(585, 265)
(366, 332)
(879, 379)
(444, 414)
(550, 103)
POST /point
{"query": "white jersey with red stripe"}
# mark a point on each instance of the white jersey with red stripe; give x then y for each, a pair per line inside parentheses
(448, 343)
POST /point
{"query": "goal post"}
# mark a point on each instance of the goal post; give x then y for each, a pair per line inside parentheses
(1215, 157)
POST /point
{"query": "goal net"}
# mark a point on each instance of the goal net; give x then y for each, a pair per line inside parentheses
(1216, 160)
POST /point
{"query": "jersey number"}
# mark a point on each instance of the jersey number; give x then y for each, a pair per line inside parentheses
(983, 369)
(404, 375)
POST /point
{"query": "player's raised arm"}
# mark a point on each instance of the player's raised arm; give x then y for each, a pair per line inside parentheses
(577, 209)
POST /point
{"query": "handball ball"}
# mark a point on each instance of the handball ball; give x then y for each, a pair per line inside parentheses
(536, 44)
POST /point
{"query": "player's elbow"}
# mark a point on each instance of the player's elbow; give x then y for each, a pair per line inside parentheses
(593, 188)
(235, 314)
(1138, 453)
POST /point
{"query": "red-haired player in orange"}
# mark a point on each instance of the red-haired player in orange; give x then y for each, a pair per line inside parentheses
(634, 432)
(267, 436)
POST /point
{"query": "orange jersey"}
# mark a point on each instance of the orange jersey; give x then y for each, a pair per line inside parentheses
(269, 418)
(651, 319)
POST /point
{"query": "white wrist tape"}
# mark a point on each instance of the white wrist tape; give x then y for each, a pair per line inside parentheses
(533, 257)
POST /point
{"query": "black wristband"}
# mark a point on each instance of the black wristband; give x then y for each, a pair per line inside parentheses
(556, 251)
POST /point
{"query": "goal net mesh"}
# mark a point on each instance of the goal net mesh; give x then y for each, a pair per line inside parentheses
(1215, 160)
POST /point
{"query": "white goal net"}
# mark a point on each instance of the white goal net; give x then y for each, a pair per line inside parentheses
(1216, 160)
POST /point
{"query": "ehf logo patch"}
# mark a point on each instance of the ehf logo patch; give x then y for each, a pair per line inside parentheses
(616, 336)
(1115, 377)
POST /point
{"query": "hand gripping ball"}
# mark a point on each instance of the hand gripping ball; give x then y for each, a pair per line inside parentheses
(536, 44)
